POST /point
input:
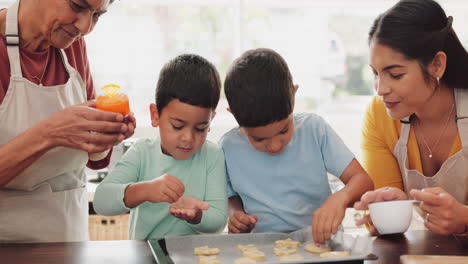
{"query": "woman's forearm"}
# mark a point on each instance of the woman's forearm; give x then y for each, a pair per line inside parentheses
(20, 152)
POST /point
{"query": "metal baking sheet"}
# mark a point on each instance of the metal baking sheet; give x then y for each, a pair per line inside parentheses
(180, 248)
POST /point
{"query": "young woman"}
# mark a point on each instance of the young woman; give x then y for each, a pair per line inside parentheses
(415, 134)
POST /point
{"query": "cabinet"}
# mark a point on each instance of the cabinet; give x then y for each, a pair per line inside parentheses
(108, 227)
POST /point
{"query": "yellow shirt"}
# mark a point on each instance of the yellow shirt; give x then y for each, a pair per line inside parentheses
(380, 134)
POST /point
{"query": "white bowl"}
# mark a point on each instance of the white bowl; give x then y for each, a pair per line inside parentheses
(392, 216)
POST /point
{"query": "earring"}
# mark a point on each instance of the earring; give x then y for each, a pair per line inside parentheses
(438, 79)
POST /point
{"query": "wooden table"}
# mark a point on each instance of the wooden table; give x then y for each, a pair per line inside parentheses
(92, 252)
(387, 248)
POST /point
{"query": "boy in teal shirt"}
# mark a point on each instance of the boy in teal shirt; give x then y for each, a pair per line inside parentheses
(277, 161)
(174, 184)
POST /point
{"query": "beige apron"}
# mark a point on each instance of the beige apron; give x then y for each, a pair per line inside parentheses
(453, 175)
(47, 201)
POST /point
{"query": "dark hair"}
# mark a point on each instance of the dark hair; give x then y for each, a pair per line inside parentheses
(419, 29)
(259, 88)
(191, 79)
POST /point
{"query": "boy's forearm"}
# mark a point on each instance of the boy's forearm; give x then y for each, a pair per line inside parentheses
(355, 188)
(135, 194)
(235, 204)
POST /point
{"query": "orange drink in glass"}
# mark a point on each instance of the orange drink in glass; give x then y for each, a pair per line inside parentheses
(113, 101)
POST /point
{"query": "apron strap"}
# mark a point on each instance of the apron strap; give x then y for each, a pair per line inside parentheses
(68, 67)
(461, 100)
(405, 129)
(12, 39)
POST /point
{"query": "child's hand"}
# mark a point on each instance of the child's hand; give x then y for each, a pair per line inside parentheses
(240, 222)
(189, 209)
(166, 188)
(327, 218)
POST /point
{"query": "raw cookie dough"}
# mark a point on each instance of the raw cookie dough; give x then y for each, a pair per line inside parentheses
(288, 243)
(284, 251)
(334, 254)
(294, 257)
(256, 255)
(244, 260)
(205, 251)
(209, 260)
(312, 248)
(248, 247)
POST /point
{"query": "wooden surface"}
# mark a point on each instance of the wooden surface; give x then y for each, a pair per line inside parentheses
(93, 252)
(388, 248)
(423, 259)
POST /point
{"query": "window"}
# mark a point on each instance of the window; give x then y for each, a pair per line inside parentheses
(323, 41)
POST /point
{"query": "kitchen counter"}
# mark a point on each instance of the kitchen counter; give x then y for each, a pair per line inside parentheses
(388, 248)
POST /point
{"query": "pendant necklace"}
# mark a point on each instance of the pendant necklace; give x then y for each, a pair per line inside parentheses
(440, 136)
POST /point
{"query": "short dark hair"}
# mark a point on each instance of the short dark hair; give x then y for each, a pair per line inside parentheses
(259, 88)
(419, 29)
(190, 78)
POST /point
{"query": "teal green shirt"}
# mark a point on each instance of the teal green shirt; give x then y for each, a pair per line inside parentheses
(203, 175)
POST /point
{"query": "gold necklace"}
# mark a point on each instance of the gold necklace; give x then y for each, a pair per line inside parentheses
(418, 122)
(43, 71)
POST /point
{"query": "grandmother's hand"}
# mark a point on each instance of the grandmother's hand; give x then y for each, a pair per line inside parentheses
(130, 120)
(86, 128)
(445, 215)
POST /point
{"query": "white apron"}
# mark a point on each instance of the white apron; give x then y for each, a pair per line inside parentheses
(48, 201)
(453, 174)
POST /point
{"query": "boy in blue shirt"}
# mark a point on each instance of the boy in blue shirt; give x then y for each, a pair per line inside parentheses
(277, 162)
(174, 184)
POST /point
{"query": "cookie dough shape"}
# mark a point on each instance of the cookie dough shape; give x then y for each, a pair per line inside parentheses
(312, 248)
(294, 257)
(248, 247)
(205, 251)
(244, 260)
(334, 254)
(284, 251)
(287, 243)
(256, 255)
(209, 260)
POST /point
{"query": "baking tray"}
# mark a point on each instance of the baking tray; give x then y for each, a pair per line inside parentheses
(179, 249)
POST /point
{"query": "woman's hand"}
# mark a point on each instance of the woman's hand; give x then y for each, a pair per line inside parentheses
(379, 195)
(86, 128)
(130, 120)
(328, 217)
(189, 209)
(445, 215)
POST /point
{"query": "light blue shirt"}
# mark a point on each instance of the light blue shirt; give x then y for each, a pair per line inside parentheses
(284, 190)
(204, 177)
